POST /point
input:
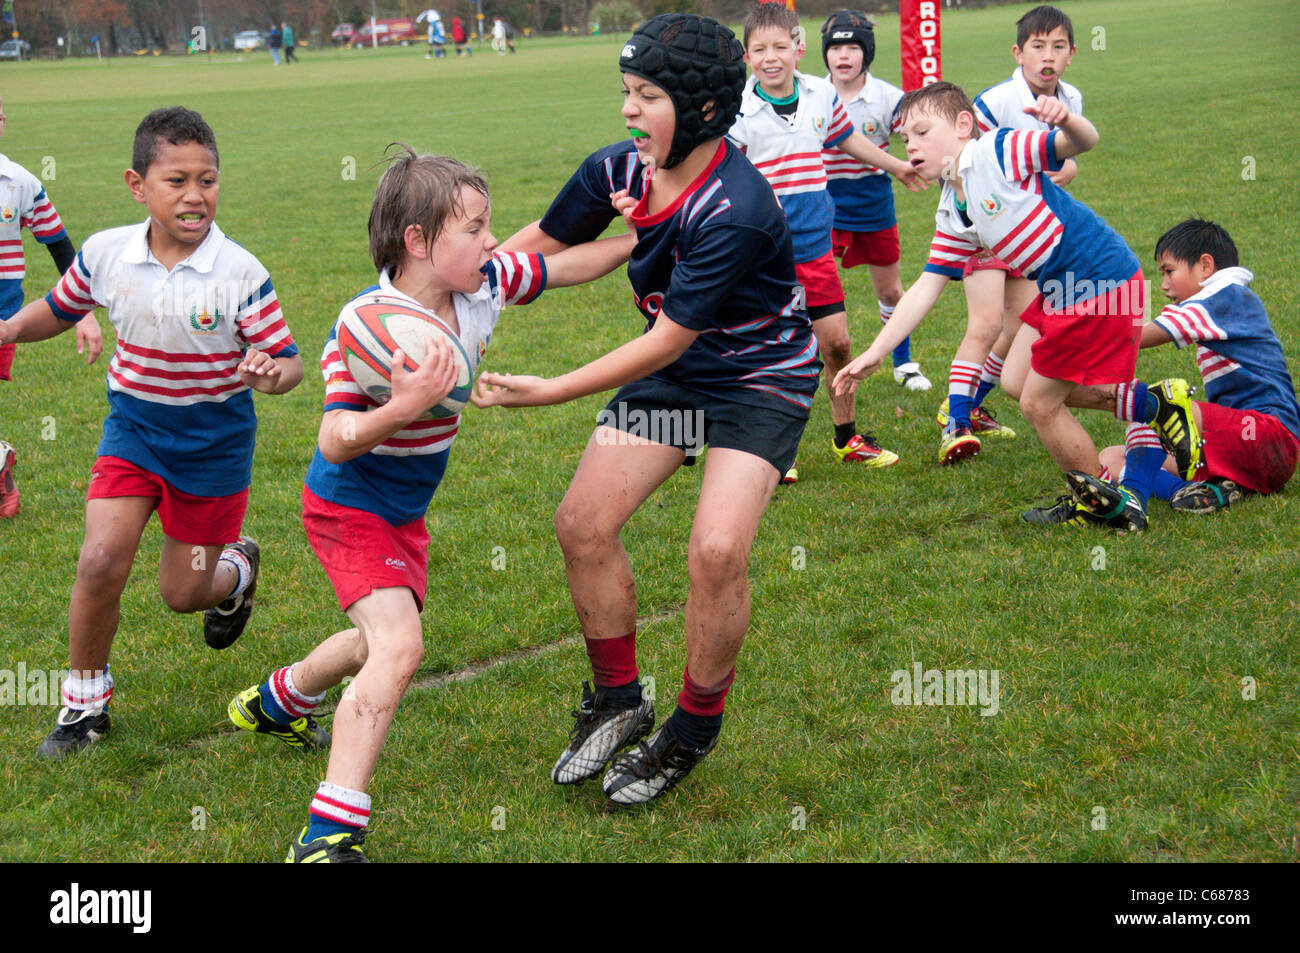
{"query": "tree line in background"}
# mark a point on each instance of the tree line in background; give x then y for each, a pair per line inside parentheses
(126, 26)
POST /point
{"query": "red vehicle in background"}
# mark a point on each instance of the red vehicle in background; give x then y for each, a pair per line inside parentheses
(343, 34)
(387, 32)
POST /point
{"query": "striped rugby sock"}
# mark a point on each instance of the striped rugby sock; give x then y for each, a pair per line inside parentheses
(697, 719)
(281, 700)
(1143, 459)
(84, 694)
(336, 810)
(1133, 403)
(902, 353)
(963, 378)
(990, 375)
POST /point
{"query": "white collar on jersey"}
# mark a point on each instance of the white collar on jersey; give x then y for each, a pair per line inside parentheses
(751, 89)
(1027, 96)
(386, 286)
(863, 94)
(1224, 277)
(202, 259)
(966, 158)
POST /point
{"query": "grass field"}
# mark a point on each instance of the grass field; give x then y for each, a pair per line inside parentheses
(1121, 659)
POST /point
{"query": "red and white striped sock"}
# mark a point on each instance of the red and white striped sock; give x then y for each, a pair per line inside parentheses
(341, 805)
(1105, 474)
(288, 697)
(1125, 400)
(1141, 435)
(963, 378)
(84, 693)
(991, 373)
(886, 311)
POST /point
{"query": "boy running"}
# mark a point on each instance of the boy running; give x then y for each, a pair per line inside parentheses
(437, 37)
(374, 474)
(198, 326)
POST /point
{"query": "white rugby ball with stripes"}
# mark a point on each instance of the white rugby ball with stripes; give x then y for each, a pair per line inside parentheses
(372, 326)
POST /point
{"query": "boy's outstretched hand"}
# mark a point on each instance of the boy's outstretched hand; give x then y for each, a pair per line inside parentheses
(912, 179)
(417, 391)
(860, 368)
(1048, 109)
(510, 390)
(90, 340)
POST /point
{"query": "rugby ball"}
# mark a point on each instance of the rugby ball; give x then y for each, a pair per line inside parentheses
(372, 326)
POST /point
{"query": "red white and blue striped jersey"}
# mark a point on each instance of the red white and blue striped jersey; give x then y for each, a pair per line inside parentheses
(1237, 351)
(23, 203)
(1003, 106)
(789, 154)
(177, 407)
(397, 479)
(864, 194)
(1015, 211)
(717, 260)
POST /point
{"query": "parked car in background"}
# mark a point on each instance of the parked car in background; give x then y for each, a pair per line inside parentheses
(394, 30)
(247, 40)
(343, 34)
(15, 50)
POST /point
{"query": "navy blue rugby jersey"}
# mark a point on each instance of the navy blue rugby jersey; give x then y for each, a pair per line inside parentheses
(719, 261)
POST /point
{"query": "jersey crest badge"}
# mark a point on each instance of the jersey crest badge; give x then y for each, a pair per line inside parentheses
(202, 321)
(992, 206)
(869, 128)
(7, 214)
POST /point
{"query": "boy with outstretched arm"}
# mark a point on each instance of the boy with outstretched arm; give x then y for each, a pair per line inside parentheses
(1044, 48)
(198, 328)
(727, 342)
(1082, 327)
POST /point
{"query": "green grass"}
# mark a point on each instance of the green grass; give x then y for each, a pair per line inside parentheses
(1121, 687)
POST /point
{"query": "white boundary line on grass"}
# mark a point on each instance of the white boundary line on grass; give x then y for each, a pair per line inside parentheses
(475, 669)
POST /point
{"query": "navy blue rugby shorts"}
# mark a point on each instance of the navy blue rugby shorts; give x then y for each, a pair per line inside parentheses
(666, 413)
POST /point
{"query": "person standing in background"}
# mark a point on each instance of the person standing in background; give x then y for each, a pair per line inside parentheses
(275, 43)
(286, 36)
